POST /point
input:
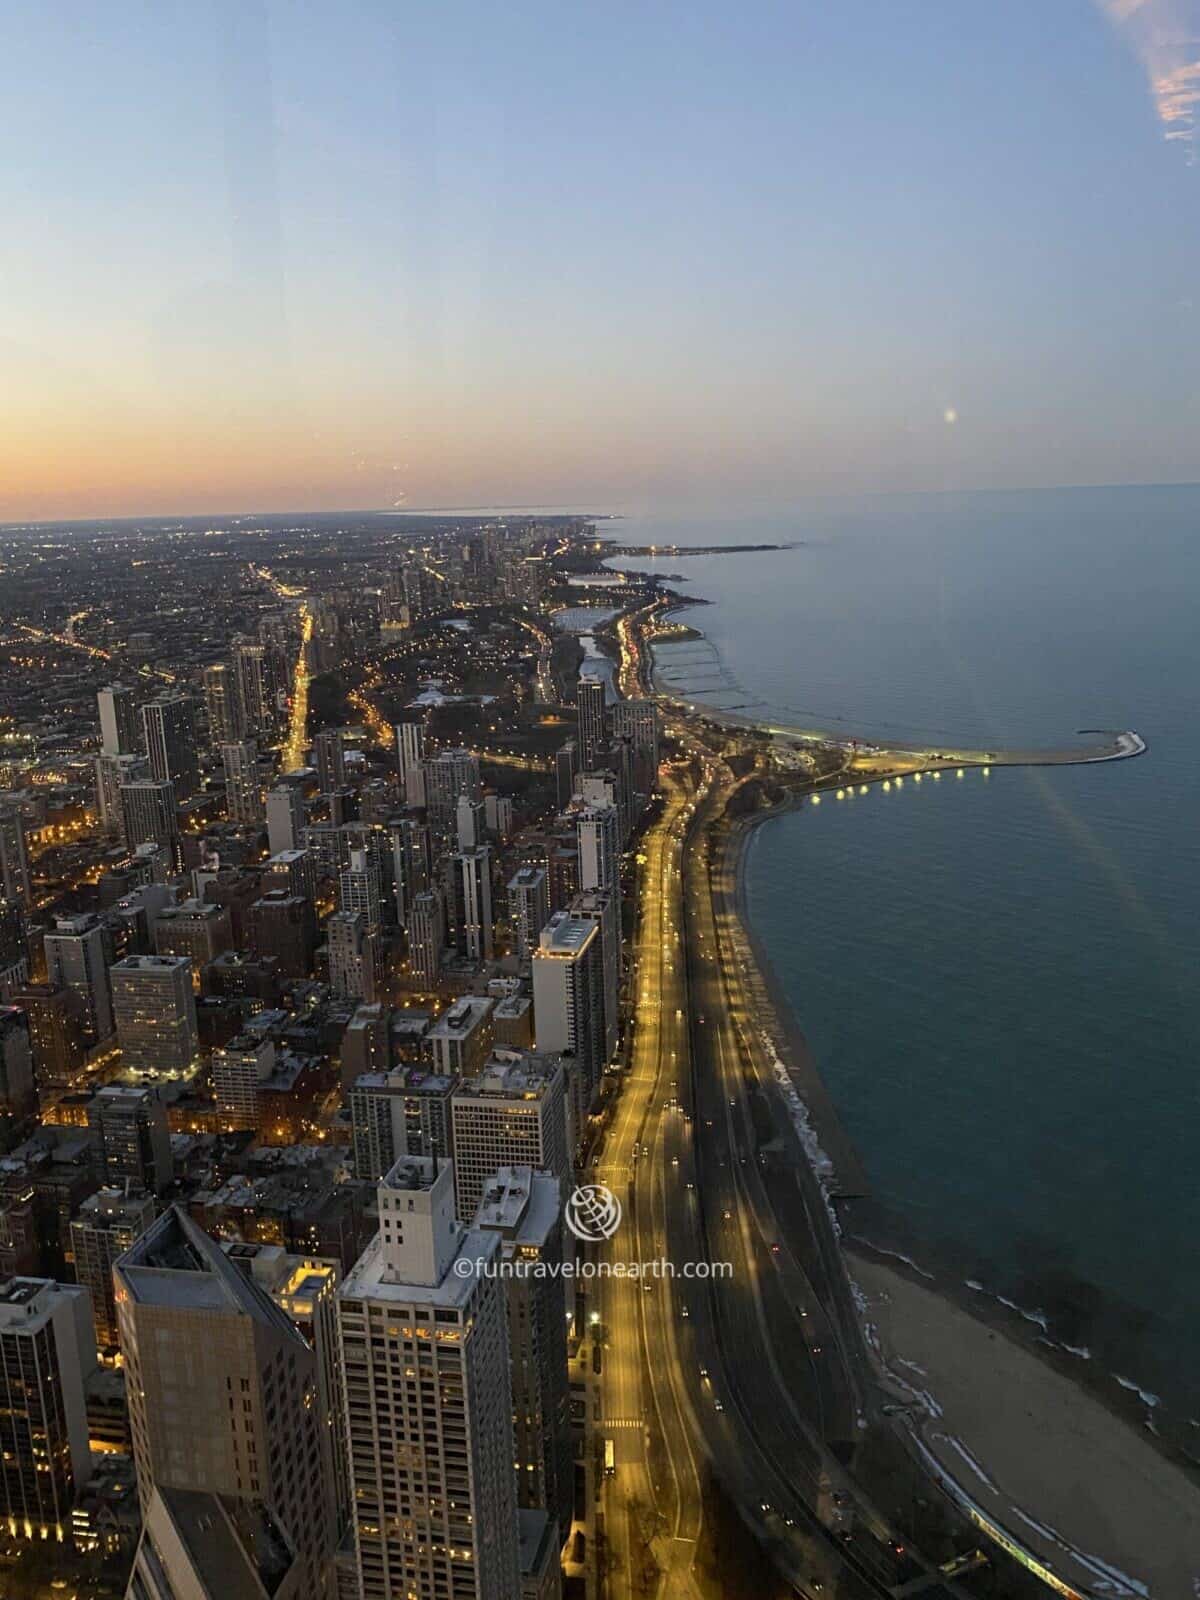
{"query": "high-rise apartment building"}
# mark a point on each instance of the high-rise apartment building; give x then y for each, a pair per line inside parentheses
(424, 1343)
(450, 774)
(401, 1113)
(255, 677)
(528, 908)
(47, 1353)
(591, 701)
(360, 887)
(597, 830)
(512, 1113)
(604, 910)
(56, 1033)
(305, 1288)
(566, 765)
(524, 1208)
(329, 754)
(426, 939)
(148, 809)
(460, 1040)
(18, 1094)
(78, 956)
(568, 1003)
(15, 881)
(118, 720)
(283, 925)
(169, 735)
(285, 817)
(410, 758)
(224, 1391)
(355, 956)
(155, 1012)
(221, 704)
(243, 791)
(411, 864)
(133, 1142)
(469, 892)
(239, 1069)
(108, 1223)
(14, 948)
(112, 772)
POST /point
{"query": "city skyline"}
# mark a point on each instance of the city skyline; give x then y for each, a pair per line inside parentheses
(633, 262)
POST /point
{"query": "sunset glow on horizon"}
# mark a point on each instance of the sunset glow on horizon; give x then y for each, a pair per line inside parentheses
(263, 260)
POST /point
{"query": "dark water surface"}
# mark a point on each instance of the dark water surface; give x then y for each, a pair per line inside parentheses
(999, 976)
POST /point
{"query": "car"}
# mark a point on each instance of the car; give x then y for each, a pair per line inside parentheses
(704, 1374)
(774, 1249)
(684, 1312)
(674, 1161)
(718, 1405)
(728, 1215)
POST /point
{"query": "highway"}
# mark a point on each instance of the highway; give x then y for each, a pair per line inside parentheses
(653, 1509)
(761, 1378)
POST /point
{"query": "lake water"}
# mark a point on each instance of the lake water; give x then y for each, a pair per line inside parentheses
(999, 976)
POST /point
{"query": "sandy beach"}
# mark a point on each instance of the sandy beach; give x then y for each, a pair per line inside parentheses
(1068, 1479)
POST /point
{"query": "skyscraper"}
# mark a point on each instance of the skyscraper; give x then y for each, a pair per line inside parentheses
(285, 817)
(254, 675)
(568, 1004)
(412, 865)
(450, 774)
(47, 1352)
(528, 908)
(461, 1038)
(15, 881)
(469, 891)
(597, 832)
(566, 765)
(111, 773)
(243, 792)
(426, 939)
(150, 816)
(603, 909)
(118, 720)
(14, 948)
(591, 700)
(221, 703)
(78, 956)
(133, 1142)
(410, 757)
(56, 1033)
(400, 1113)
(329, 751)
(224, 1393)
(155, 1012)
(108, 1223)
(424, 1344)
(524, 1207)
(469, 822)
(169, 733)
(360, 888)
(354, 956)
(18, 1096)
(511, 1113)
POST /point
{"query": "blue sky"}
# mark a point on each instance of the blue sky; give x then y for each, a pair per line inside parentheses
(277, 255)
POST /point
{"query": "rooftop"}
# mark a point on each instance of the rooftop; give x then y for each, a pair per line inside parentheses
(462, 1016)
(518, 1075)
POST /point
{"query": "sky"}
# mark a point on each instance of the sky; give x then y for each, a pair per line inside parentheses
(276, 254)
